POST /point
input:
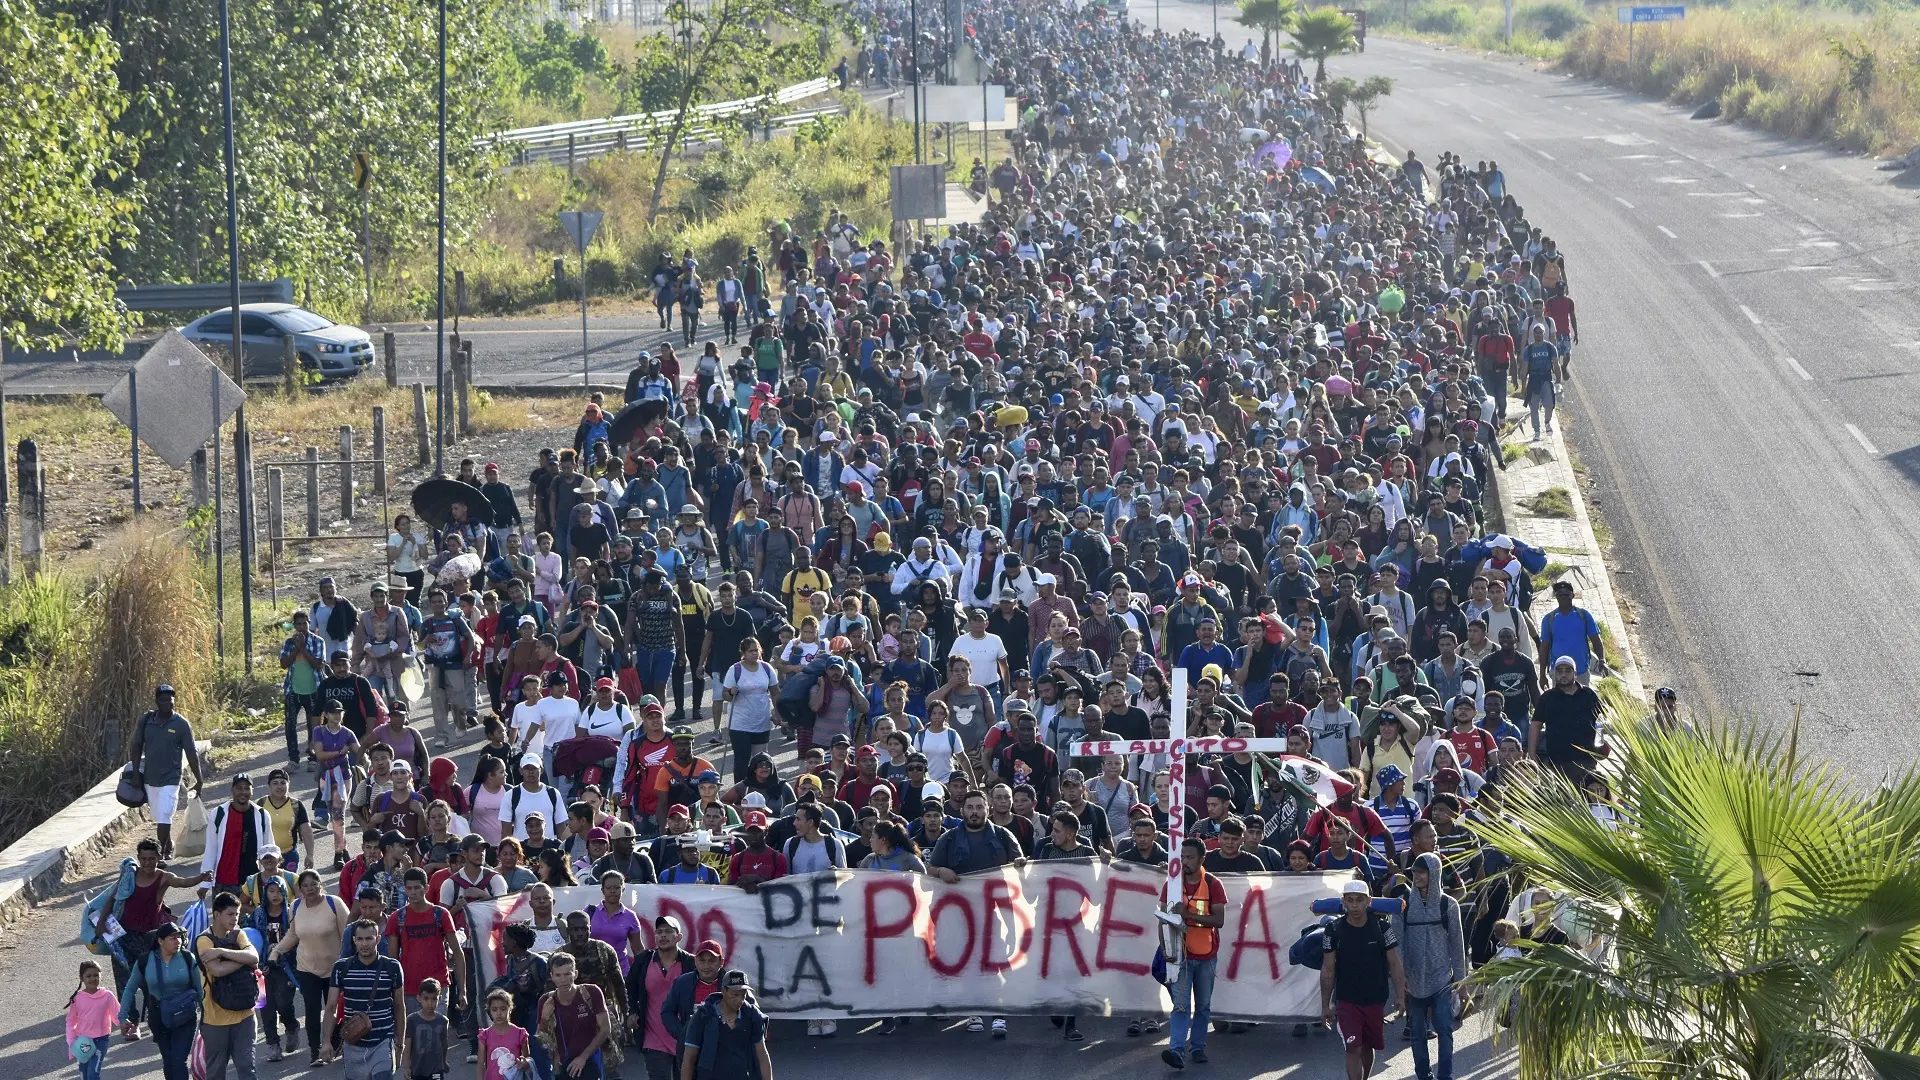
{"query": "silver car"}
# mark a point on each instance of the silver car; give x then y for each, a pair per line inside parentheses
(334, 350)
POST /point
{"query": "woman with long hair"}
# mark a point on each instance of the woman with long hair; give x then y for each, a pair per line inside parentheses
(552, 868)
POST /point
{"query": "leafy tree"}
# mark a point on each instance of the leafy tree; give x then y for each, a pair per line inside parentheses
(59, 221)
(307, 95)
(1318, 34)
(1366, 97)
(1744, 915)
(1270, 17)
(1338, 92)
(736, 48)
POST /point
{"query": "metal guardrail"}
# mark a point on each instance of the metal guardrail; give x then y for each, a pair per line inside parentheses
(202, 297)
(575, 148)
(637, 131)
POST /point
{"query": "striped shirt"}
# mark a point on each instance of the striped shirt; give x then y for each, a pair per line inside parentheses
(1398, 818)
(368, 988)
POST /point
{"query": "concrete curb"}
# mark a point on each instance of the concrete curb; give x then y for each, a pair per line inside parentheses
(33, 867)
(1570, 541)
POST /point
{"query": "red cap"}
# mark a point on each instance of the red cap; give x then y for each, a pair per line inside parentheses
(866, 752)
(603, 684)
(757, 818)
(679, 808)
(710, 946)
(1033, 444)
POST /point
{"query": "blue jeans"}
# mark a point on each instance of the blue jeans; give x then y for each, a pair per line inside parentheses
(1436, 1014)
(174, 1044)
(296, 704)
(90, 1069)
(1188, 1030)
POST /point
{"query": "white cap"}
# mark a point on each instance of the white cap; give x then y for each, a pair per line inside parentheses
(270, 851)
(1043, 579)
(1355, 888)
(826, 437)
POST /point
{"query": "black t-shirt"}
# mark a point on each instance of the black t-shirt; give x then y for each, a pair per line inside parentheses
(1511, 674)
(1569, 726)
(728, 632)
(1030, 764)
(1128, 723)
(1360, 968)
(1246, 862)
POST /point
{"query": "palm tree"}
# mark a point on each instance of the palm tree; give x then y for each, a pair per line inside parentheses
(1365, 97)
(1318, 34)
(1743, 914)
(1270, 17)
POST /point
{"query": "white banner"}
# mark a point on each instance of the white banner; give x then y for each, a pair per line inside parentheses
(1048, 938)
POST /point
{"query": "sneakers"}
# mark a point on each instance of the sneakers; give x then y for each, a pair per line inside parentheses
(813, 1027)
(1198, 1057)
(999, 1028)
(276, 1054)
(1073, 1032)
(829, 1028)
(473, 1059)
(1143, 1026)
(976, 1025)
(290, 1041)
(1173, 1059)
(1299, 1031)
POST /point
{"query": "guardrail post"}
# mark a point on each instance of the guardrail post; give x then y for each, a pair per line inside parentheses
(313, 491)
(620, 140)
(391, 360)
(290, 366)
(379, 449)
(33, 503)
(559, 279)
(570, 153)
(463, 384)
(346, 472)
(276, 514)
(451, 433)
(420, 432)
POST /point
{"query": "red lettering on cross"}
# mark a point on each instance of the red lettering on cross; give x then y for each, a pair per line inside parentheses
(1255, 905)
(1111, 926)
(879, 929)
(1063, 921)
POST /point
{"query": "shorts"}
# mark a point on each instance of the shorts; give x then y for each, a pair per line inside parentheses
(1361, 1025)
(654, 666)
(163, 801)
(1564, 343)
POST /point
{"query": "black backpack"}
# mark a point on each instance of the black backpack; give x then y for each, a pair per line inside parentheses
(236, 991)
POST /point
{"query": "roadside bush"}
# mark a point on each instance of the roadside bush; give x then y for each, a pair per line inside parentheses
(1552, 21)
(1449, 19)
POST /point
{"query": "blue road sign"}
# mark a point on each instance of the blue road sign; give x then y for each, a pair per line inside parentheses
(1664, 13)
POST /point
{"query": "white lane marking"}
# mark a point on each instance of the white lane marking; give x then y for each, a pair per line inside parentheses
(1708, 267)
(1511, 135)
(1476, 119)
(1623, 202)
(1748, 312)
(1797, 369)
(1865, 443)
(1670, 234)
(1878, 259)
(1546, 155)
(1584, 176)
(1855, 246)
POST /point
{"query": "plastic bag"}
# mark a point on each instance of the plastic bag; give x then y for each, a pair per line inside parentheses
(197, 1059)
(190, 828)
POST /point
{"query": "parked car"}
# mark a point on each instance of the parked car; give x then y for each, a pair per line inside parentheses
(334, 350)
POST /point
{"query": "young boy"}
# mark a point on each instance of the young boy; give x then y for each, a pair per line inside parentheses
(427, 1036)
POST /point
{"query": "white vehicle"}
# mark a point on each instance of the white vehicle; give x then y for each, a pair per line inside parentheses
(334, 350)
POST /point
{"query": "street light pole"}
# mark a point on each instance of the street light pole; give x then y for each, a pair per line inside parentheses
(913, 58)
(440, 275)
(242, 466)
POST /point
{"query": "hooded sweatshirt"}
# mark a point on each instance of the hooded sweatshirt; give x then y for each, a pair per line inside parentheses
(1431, 945)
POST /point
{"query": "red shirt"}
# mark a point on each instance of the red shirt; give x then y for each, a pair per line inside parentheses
(768, 864)
(1560, 310)
(421, 934)
(1498, 348)
(1473, 747)
(1366, 824)
(857, 791)
(1272, 719)
(231, 870)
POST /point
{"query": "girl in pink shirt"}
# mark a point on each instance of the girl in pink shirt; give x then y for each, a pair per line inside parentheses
(504, 1050)
(92, 1014)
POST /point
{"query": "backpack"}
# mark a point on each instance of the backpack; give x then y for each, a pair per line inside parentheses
(1309, 950)
(836, 848)
(513, 804)
(964, 836)
(798, 688)
(237, 990)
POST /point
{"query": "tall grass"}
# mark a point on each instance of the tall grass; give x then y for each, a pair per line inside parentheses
(1801, 72)
(80, 654)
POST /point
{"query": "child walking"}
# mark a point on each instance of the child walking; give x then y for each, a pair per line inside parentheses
(91, 1017)
(427, 1036)
(505, 1052)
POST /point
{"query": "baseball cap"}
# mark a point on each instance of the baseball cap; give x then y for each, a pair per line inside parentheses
(707, 776)
(1355, 888)
(603, 684)
(525, 760)
(599, 834)
(756, 819)
(402, 765)
(710, 946)
(679, 810)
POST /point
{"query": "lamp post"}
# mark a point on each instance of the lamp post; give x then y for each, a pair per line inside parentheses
(913, 58)
(242, 466)
(440, 275)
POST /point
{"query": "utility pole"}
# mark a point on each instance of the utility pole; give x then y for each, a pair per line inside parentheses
(913, 57)
(242, 467)
(440, 275)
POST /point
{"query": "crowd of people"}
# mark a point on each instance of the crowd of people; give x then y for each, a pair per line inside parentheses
(1211, 388)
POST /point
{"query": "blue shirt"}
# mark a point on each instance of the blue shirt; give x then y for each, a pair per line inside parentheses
(1539, 357)
(1195, 657)
(1569, 635)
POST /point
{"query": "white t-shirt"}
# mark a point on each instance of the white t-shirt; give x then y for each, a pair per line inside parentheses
(545, 802)
(984, 653)
(606, 723)
(752, 708)
(940, 748)
(559, 717)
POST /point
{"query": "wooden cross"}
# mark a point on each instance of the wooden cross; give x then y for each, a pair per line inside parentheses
(1177, 746)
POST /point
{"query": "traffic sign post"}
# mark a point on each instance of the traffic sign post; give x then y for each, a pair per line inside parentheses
(581, 225)
(1634, 16)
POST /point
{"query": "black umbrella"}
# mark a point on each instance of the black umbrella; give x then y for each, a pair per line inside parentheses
(632, 420)
(434, 500)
